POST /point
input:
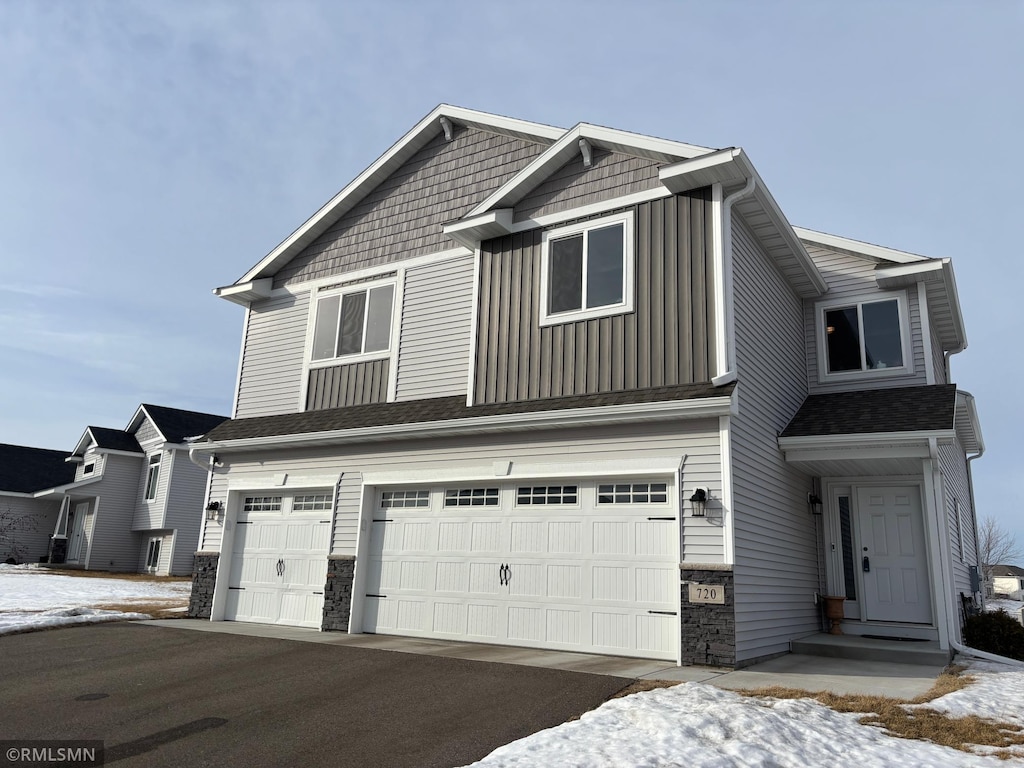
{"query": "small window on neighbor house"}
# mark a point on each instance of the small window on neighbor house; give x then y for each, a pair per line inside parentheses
(587, 270)
(153, 477)
(353, 322)
(89, 468)
(153, 554)
(864, 336)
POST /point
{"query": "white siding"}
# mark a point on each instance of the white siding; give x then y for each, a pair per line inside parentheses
(849, 275)
(29, 539)
(698, 441)
(938, 360)
(112, 546)
(962, 542)
(433, 356)
(775, 542)
(275, 340)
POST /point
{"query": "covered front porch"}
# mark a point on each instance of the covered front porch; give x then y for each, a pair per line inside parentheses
(69, 543)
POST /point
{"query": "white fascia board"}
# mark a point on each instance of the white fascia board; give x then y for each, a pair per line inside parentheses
(707, 407)
(524, 471)
(116, 452)
(702, 171)
(83, 442)
(471, 231)
(870, 439)
(61, 489)
(245, 293)
(399, 152)
(137, 419)
(966, 406)
(930, 271)
(20, 495)
(857, 246)
(292, 481)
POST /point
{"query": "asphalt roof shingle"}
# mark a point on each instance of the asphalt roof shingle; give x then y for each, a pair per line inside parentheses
(176, 424)
(27, 470)
(899, 409)
(115, 439)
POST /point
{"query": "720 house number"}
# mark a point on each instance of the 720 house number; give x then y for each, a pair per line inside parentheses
(704, 593)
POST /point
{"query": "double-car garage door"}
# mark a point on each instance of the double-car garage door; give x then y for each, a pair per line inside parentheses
(578, 566)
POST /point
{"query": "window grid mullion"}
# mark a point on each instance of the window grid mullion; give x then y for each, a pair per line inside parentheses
(366, 319)
(860, 336)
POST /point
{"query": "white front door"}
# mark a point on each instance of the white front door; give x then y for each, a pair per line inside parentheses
(547, 564)
(77, 530)
(892, 555)
(279, 560)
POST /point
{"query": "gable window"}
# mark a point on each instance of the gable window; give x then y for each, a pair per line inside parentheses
(587, 270)
(153, 476)
(89, 468)
(864, 336)
(353, 322)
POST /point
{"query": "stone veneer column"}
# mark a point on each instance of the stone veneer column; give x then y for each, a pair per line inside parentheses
(708, 632)
(204, 579)
(338, 593)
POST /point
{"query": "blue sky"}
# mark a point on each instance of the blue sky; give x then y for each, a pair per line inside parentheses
(150, 152)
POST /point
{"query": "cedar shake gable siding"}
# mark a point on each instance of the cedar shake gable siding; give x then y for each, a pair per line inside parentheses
(667, 339)
(402, 217)
(441, 409)
(861, 412)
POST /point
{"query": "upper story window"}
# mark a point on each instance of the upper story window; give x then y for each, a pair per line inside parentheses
(864, 336)
(153, 476)
(354, 322)
(587, 270)
(89, 468)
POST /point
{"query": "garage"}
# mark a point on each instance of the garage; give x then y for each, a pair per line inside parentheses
(279, 559)
(587, 566)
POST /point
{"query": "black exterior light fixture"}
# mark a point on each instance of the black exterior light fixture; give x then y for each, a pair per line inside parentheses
(213, 510)
(698, 503)
(814, 503)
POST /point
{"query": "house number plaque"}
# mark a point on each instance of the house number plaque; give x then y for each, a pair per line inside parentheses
(707, 593)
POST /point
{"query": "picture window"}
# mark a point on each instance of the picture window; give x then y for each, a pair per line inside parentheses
(353, 323)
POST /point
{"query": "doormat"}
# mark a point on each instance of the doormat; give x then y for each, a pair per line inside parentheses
(894, 637)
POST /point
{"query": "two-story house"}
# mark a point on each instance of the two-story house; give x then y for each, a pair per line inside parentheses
(135, 502)
(588, 390)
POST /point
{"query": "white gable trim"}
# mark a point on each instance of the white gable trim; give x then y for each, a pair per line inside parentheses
(857, 246)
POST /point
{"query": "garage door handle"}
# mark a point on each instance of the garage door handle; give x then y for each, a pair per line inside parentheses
(280, 567)
(504, 574)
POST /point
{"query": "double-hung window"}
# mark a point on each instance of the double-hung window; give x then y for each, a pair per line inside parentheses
(862, 336)
(353, 323)
(587, 270)
(153, 476)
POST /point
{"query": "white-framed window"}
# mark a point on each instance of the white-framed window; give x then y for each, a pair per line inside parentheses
(261, 504)
(864, 336)
(153, 476)
(153, 554)
(587, 270)
(534, 495)
(353, 322)
(405, 499)
(471, 497)
(319, 502)
(632, 493)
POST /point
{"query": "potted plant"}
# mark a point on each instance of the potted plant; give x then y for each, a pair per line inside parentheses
(834, 612)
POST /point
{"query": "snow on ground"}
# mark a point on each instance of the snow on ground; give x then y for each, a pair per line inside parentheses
(697, 725)
(1012, 607)
(37, 598)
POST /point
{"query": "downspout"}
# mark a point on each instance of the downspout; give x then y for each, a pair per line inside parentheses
(945, 565)
(726, 346)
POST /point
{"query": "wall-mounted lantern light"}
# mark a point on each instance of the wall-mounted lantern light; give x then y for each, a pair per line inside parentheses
(814, 503)
(213, 510)
(698, 502)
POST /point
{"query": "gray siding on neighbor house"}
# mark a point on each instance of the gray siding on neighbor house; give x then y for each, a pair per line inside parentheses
(186, 502)
(90, 458)
(573, 185)
(146, 432)
(775, 540)
(667, 339)
(111, 544)
(849, 275)
(150, 514)
(433, 353)
(962, 535)
(166, 548)
(698, 441)
(353, 384)
(273, 345)
(28, 524)
(402, 217)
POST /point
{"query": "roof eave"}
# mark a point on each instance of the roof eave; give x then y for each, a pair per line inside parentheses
(930, 271)
(245, 293)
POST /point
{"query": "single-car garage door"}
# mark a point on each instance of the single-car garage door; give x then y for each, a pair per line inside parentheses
(578, 566)
(279, 560)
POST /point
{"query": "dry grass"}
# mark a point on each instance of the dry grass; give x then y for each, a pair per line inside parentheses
(80, 573)
(894, 716)
(158, 609)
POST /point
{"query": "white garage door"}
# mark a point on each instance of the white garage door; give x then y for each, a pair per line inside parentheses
(279, 560)
(590, 567)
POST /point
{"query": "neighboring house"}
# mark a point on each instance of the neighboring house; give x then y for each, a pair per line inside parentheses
(1008, 580)
(28, 511)
(588, 390)
(135, 502)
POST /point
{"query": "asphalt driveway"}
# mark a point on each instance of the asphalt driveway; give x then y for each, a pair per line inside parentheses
(158, 696)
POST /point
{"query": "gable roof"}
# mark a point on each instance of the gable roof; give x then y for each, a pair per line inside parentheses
(898, 409)
(27, 470)
(1007, 570)
(175, 424)
(255, 282)
(108, 439)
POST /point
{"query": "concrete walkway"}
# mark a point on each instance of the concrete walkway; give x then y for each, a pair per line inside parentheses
(803, 672)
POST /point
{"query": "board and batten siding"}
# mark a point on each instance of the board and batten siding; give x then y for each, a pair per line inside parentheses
(962, 536)
(698, 441)
(270, 380)
(849, 275)
(337, 386)
(666, 340)
(29, 538)
(610, 175)
(774, 534)
(433, 353)
(402, 217)
(112, 545)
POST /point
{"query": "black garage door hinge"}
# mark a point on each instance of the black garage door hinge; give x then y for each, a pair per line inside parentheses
(664, 613)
